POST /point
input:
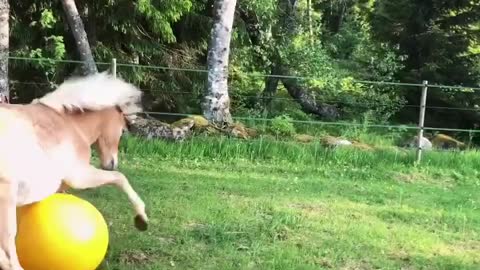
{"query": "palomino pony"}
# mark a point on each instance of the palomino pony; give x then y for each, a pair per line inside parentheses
(45, 147)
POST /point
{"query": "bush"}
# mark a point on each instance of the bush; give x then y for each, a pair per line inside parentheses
(282, 125)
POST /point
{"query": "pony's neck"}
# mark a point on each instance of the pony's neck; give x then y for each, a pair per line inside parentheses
(89, 125)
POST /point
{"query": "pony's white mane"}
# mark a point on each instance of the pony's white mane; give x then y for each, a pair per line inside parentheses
(94, 92)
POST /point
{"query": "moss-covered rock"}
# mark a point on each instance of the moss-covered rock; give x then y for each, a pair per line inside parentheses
(253, 133)
(362, 146)
(238, 130)
(443, 141)
(151, 128)
(304, 138)
(211, 130)
(199, 122)
(332, 141)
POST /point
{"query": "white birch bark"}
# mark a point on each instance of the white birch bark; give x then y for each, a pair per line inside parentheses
(4, 48)
(216, 105)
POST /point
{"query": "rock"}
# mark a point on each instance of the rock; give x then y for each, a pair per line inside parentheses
(238, 130)
(443, 141)
(211, 130)
(198, 122)
(334, 141)
(362, 146)
(337, 142)
(304, 138)
(253, 133)
(425, 144)
(154, 129)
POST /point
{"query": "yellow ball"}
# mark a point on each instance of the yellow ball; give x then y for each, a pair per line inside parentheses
(62, 232)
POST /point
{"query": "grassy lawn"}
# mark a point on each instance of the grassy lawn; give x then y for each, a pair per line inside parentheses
(225, 204)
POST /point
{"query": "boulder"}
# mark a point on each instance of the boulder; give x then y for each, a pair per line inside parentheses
(443, 141)
(304, 138)
(199, 122)
(238, 130)
(334, 141)
(425, 144)
(151, 128)
(362, 146)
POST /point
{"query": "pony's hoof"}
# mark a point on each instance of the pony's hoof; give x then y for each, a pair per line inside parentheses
(140, 223)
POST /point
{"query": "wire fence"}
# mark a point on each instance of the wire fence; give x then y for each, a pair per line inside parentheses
(259, 97)
(136, 65)
(421, 106)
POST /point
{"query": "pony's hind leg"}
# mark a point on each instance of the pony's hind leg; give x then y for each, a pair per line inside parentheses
(91, 177)
(8, 227)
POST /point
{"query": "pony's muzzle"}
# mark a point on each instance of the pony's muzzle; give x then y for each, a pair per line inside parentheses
(111, 165)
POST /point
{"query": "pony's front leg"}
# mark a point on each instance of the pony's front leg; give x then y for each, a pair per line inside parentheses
(8, 226)
(91, 177)
(63, 188)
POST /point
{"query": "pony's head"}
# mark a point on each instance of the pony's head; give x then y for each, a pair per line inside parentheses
(110, 104)
(114, 122)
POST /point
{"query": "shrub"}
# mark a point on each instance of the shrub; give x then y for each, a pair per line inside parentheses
(282, 125)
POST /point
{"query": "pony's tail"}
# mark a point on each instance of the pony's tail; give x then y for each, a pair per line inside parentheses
(93, 92)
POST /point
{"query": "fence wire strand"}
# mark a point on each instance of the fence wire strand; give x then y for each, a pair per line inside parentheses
(407, 127)
(135, 65)
(273, 98)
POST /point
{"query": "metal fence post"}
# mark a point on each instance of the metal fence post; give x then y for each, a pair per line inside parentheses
(114, 67)
(421, 120)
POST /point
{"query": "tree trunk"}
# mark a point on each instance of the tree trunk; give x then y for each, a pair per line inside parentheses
(80, 36)
(4, 47)
(305, 97)
(87, 12)
(216, 105)
(308, 100)
(271, 86)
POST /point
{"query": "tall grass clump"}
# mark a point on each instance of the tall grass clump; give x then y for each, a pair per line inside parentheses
(227, 149)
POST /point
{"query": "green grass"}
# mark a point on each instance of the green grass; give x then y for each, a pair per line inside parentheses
(229, 204)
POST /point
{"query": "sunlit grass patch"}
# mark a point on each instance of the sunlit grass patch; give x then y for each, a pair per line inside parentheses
(233, 204)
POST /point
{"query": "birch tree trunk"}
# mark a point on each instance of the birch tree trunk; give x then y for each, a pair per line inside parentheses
(4, 47)
(216, 105)
(78, 30)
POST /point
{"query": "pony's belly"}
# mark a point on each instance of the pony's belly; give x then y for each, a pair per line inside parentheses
(34, 191)
(44, 176)
(39, 178)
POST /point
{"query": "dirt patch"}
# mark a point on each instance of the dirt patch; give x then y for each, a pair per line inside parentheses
(361, 265)
(409, 177)
(400, 255)
(457, 248)
(194, 226)
(309, 208)
(135, 257)
(167, 240)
